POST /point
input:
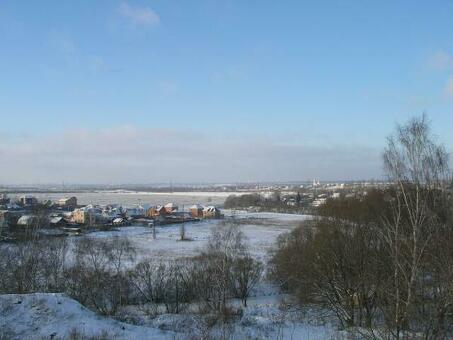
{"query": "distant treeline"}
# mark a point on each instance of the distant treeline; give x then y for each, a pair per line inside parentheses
(260, 203)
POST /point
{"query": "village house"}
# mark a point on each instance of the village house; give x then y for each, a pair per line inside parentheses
(28, 201)
(196, 210)
(291, 202)
(111, 212)
(135, 212)
(156, 211)
(78, 216)
(67, 202)
(170, 208)
(4, 199)
(211, 212)
(87, 215)
(119, 221)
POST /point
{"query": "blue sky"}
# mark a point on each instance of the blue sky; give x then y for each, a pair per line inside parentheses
(308, 78)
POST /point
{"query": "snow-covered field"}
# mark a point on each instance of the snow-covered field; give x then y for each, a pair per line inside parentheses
(260, 229)
(129, 198)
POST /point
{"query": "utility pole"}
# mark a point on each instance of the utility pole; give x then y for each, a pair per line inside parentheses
(182, 230)
(154, 229)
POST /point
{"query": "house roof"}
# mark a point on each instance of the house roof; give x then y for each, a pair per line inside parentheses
(25, 219)
(65, 199)
(210, 208)
(56, 220)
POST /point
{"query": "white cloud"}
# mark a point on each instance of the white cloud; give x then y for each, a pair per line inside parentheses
(133, 155)
(97, 63)
(232, 73)
(448, 90)
(441, 60)
(63, 43)
(138, 16)
(168, 87)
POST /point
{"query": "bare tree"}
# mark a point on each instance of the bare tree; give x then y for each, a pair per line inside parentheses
(2, 225)
(225, 245)
(120, 250)
(246, 274)
(182, 232)
(419, 169)
(99, 272)
(149, 280)
(383, 261)
(93, 253)
(53, 262)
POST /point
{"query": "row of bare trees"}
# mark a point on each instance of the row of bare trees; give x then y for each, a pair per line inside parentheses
(224, 270)
(103, 275)
(383, 262)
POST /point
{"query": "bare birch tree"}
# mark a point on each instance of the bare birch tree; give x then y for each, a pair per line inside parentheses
(418, 168)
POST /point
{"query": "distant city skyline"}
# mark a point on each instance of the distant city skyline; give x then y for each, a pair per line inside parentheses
(150, 91)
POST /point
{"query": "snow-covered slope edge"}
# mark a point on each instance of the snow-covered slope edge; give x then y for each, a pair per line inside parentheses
(56, 316)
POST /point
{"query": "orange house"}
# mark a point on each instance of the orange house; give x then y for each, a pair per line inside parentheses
(156, 211)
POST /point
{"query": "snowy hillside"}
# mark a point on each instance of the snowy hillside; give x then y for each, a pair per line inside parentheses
(56, 316)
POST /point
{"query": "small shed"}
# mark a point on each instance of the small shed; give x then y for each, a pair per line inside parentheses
(68, 202)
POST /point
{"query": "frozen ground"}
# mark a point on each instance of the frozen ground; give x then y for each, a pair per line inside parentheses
(129, 198)
(260, 229)
(56, 316)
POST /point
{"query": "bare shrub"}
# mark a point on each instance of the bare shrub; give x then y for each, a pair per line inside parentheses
(226, 244)
(33, 265)
(246, 274)
(169, 283)
(224, 270)
(99, 278)
(148, 279)
(336, 265)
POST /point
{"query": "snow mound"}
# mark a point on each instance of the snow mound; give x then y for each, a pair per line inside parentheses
(56, 316)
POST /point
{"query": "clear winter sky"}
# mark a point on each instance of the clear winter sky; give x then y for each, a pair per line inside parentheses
(143, 91)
